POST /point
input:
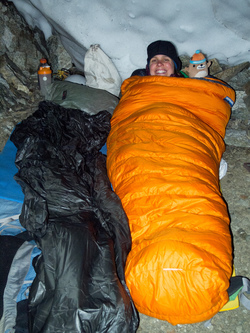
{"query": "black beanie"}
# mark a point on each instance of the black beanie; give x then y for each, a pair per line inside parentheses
(166, 48)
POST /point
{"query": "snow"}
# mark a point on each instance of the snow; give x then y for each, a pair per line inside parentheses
(124, 28)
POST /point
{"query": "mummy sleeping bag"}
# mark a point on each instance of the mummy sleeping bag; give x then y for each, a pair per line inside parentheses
(163, 156)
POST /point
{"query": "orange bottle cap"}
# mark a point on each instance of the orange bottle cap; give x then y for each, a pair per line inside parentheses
(45, 70)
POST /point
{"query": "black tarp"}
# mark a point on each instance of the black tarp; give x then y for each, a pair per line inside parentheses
(77, 221)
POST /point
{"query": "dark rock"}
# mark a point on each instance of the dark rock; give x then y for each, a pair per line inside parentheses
(21, 48)
(58, 56)
(247, 88)
(215, 67)
(229, 73)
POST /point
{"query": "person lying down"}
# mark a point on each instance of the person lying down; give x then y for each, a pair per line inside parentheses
(163, 156)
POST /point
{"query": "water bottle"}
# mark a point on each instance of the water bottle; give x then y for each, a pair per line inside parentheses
(44, 76)
(43, 63)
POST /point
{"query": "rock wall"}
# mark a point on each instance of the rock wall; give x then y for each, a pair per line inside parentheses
(21, 48)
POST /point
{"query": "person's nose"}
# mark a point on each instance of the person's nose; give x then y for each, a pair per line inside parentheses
(159, 63)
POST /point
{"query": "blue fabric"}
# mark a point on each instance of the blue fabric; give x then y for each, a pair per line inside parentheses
(9, 189)
(24, 291)
(9, 218)
(104, 149)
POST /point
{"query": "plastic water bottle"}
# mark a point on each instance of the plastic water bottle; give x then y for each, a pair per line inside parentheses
(43, 63)
(44, 76)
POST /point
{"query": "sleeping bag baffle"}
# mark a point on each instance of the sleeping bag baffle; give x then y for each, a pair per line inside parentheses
(163, 156)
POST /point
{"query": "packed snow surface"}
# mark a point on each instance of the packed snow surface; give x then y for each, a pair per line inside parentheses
(124, 28)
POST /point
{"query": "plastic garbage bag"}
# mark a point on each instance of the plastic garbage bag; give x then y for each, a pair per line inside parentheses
(77, 221)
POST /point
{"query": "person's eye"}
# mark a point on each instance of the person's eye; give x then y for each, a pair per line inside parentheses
(166, 60)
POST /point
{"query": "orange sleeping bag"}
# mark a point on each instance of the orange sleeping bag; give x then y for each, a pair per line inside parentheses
(163, 156)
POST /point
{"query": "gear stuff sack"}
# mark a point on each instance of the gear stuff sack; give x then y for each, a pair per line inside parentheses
(100, 72)
(77, 221)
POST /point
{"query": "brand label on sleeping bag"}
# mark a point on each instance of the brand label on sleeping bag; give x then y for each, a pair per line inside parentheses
(229, 101)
